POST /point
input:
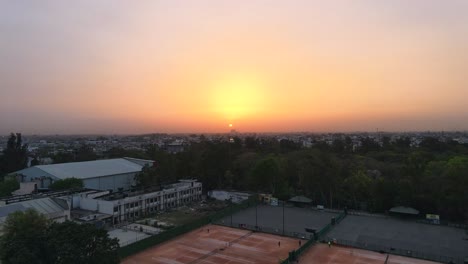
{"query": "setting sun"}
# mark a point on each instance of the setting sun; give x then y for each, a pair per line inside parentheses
(234, 99)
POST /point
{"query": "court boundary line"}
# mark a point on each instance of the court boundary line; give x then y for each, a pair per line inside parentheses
(214, 251)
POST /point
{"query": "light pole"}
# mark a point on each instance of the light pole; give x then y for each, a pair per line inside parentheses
(136, 236)
(283, 217)
(230, 201)
(256, 218)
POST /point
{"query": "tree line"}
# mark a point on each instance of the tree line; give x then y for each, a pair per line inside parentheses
(374, 176)
(13, 158)
(432, 177)
(28, 237)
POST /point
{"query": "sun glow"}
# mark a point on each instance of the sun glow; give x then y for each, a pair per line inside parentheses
(235, 99)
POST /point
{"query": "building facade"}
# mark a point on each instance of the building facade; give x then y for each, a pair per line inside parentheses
(125, 207)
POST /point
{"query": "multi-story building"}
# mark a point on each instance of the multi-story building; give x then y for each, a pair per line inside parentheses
(127, 206)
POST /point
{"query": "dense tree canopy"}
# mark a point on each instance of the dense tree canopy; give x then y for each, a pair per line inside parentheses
(369, 174)
(23, 239)
(7, 186)
(71, 243)
(70, 183)
(28, 237)
(82, 153)
(15, 155)
(149, 176)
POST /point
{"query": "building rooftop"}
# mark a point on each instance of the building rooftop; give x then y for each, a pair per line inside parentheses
(300, 199)
(404, 210)
(92, 169)
(46, 206)
(6, 210)
(146, 190)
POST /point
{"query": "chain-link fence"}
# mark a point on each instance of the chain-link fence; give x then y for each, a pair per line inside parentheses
(263, 229)
(396, 251)
(295, 254)
(179, 230)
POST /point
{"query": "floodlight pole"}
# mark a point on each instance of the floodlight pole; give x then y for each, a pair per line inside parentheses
(256, 222)
(283, 218)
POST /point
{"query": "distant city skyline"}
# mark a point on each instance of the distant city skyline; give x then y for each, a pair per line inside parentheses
(125, 67)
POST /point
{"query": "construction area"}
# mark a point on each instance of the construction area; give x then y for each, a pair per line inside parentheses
(154, 224)
(213, 244)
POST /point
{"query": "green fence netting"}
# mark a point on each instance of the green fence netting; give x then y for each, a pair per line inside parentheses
(179, 230)
(295, 254)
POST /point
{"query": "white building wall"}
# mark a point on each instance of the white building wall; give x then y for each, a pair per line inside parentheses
(113, 182)
(75, 201)
(92, 183)
(105, 207)
(130, 208)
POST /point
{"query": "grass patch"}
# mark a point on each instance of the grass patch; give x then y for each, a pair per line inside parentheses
(186, 214)
(180, 217)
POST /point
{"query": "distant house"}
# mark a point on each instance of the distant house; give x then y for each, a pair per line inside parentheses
(300, 201)
(236, 197)
(175, 147)
(110, 174)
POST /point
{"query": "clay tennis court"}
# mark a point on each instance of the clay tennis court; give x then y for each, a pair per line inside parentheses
(219, 245)
(321, 253)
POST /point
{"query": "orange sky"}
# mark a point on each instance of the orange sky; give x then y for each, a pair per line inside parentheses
(196, 66)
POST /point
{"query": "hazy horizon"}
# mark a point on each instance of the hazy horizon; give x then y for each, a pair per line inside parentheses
(124, 67)
(239, 132)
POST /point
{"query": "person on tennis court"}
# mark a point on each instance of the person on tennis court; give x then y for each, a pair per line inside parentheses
(279, 243)
(329, 243)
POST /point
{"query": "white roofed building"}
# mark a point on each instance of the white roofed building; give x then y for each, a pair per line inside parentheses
(54, 209)
(110, 174)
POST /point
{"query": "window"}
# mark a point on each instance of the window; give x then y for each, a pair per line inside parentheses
(116, 209)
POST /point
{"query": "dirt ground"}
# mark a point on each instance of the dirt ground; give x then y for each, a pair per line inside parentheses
(321, 253)
(214, 244)
(183, 215)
